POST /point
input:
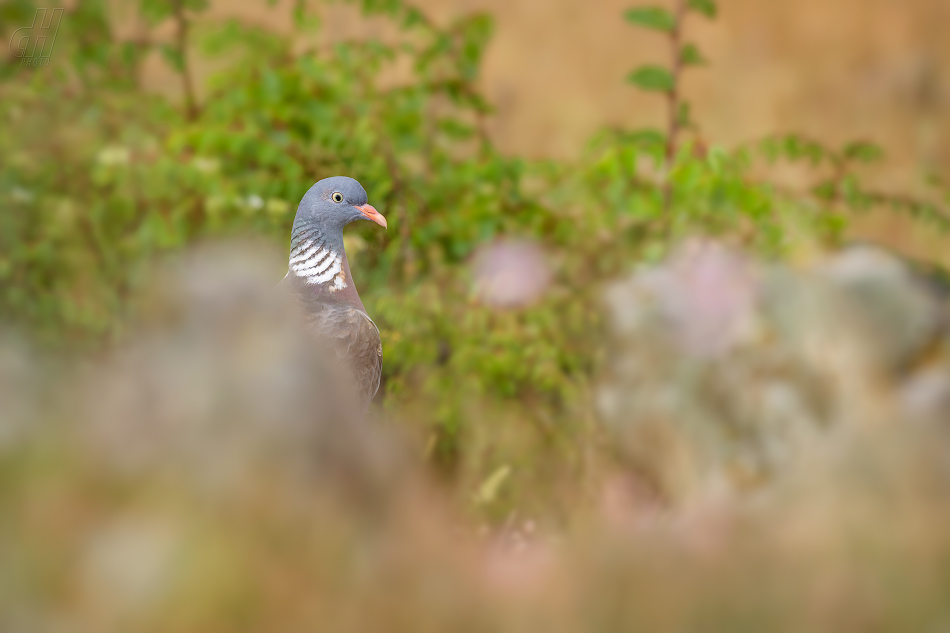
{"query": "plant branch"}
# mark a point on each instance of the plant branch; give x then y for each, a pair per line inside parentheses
(181, 42)
(673, 95)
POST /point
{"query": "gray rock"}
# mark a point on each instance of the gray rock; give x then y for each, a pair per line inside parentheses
(723, 365)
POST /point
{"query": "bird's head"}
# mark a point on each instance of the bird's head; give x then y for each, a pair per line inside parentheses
(333, 203)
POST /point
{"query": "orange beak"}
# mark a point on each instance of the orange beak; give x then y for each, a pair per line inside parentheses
(372, 214)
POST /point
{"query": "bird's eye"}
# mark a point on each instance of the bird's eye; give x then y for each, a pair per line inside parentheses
(337, 196)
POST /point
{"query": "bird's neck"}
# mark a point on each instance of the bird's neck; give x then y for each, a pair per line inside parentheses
(318, 262)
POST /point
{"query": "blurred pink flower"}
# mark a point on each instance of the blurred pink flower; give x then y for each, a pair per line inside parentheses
(707, 295)
(510, 273)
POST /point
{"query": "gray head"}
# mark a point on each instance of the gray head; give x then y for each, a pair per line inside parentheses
(333, 203)
(317, 256)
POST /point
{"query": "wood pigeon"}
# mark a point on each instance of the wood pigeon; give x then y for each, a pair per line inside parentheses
(319, 278)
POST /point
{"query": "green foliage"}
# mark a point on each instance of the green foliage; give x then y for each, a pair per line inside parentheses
(667, 80)
(691, 56)
(863, 152)
(652, 78)
(837, 180)
(711, 193)
(651, 18)
(706, 7)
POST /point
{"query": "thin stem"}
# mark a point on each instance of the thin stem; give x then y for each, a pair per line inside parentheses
(181, 41)
(673, 99)
(673, 96)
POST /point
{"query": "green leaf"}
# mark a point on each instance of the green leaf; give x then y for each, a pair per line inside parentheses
(652, 78)
(154, 11)
(795, 148)
(305, 20)
(173, 56)
(827, 190)
(475, 31)
(413, 17)
(706, 7)
(691, 56)
(455, 129)
(646, 138)
(651, 18)
(863, 152)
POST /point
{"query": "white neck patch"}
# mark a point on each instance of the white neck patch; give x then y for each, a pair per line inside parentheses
(318, 265)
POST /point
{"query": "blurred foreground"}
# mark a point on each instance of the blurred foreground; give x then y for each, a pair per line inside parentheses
(770, 452)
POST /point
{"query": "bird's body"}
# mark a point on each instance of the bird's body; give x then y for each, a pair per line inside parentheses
(319, 279)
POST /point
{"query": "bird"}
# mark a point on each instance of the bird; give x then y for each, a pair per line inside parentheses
(319, 280)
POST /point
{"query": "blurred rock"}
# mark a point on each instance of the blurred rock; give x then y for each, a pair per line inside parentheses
(129, 563)
(224, 384)
(723, 365)
(900, 313)
(704, 297)
(926, 396)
